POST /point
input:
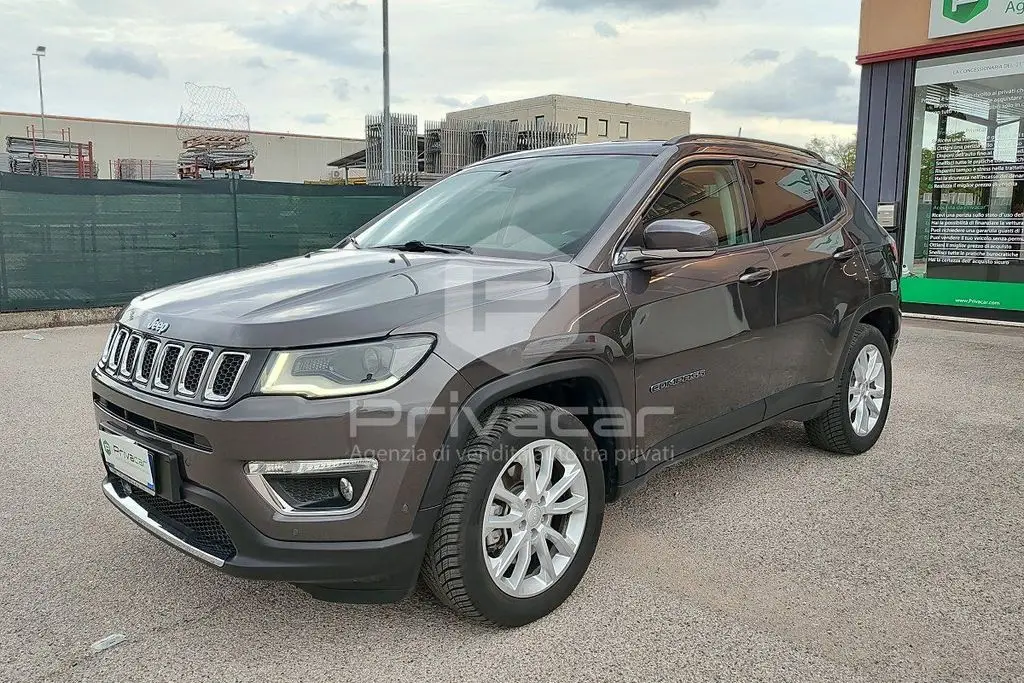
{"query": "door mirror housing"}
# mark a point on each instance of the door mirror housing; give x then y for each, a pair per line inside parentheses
(670, 239)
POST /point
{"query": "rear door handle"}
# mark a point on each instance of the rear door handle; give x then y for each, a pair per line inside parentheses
(757, 276)
(844, 255)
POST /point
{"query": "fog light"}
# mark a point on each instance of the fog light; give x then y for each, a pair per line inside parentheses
(313, 487)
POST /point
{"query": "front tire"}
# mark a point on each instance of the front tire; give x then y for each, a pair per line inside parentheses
(860, 407)
(520, 521)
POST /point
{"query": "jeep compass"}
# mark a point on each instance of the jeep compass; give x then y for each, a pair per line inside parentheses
(456, 390)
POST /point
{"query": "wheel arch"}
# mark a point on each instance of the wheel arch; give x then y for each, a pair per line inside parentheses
(517, 384)
(885, 317)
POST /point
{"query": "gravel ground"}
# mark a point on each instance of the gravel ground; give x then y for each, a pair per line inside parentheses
(765, 560)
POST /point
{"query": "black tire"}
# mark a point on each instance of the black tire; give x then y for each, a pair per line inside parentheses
(833, 430)
(454, 568)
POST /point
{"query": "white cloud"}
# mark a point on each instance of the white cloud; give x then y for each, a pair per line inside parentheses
(327, 31)
(125, 61)
(283, 60)
(314, 119)
(605, 30)
(810, 86)
(458, 103)
(628, 6)
(342, 89)
(759, 55)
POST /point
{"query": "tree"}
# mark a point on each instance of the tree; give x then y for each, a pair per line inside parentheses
(927, 172)
(835, 150)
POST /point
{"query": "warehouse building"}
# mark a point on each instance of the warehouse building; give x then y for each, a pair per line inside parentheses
(941, 149)
(469, 135)
(150, 150)
(595, 120)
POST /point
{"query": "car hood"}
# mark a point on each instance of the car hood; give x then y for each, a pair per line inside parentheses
(327, 296)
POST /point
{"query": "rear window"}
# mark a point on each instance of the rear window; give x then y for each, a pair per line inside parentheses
(864, 227)
(786, 200)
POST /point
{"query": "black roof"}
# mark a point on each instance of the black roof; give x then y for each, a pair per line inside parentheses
(691, 144)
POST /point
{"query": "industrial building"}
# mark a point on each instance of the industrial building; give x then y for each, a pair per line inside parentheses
(152, 150)
(470, 135)
(941, 149)
(103, 148)
(594, 120)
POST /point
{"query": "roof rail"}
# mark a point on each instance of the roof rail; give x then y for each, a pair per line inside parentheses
(697, 137)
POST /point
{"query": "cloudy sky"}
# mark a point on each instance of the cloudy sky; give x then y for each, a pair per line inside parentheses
(781, 69)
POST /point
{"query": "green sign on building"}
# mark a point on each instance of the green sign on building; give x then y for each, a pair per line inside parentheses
(954, 17)
(963, 11)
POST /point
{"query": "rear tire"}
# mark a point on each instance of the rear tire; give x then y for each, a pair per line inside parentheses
(463, 565)
(856, 417)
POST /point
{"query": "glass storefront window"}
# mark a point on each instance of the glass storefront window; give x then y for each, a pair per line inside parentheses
(965, 210)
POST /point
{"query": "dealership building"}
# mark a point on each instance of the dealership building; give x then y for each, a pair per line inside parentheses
(941, 149)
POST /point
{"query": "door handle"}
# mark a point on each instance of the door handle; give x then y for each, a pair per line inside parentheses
(757, 276)
(844, 255)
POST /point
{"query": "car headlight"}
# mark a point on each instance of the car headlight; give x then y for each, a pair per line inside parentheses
(347, 370)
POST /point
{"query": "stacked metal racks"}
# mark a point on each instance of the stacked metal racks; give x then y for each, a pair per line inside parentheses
(545, 134)
(453, 144)
(447, 146)
(50, 157)
(217, 156)
(144, 169)
(404, 145)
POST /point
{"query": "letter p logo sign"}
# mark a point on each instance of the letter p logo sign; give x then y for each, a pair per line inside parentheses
(963, 11)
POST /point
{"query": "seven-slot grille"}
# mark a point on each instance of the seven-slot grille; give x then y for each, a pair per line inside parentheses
(168, 367)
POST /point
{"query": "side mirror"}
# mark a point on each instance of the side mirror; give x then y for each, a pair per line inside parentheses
(670, 239)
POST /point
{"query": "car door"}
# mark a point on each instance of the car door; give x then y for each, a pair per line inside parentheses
(820, 277)
(700, 326)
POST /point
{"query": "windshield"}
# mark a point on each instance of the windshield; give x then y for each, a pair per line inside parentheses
(540, 208)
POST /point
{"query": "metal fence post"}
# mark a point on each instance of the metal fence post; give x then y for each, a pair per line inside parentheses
(234, 203)
(4, 305)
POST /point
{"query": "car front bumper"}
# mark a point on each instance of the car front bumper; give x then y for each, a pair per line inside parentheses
(200, 456)
(356, 571)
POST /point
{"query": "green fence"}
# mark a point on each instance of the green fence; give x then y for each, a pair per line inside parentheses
(87, 243)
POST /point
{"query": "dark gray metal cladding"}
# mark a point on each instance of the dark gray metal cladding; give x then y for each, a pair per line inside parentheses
(193, 373)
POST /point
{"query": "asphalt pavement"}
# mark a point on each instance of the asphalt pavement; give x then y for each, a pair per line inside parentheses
(765, 560)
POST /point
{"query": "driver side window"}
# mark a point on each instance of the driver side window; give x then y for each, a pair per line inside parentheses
(712, 194)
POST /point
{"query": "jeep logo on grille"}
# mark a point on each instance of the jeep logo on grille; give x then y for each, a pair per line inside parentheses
(158, 326)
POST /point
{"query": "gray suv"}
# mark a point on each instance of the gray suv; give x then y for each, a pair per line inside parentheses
(456, 391)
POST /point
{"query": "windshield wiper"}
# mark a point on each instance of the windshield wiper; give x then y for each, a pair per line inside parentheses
(418, 246)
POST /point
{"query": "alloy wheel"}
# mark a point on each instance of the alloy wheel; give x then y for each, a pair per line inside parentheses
(535, 518)
(867, 390)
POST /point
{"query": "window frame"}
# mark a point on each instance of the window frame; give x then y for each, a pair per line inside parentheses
(621, 124)
(586, 125)
(605, 133)
(636, 222)
(538, 119)
(759, 216)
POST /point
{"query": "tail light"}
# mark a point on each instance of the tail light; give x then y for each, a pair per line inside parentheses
(893, 246)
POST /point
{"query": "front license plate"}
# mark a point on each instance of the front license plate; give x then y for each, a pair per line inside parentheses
(129, 460)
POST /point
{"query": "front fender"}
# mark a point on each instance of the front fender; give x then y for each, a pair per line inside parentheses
(461, 428)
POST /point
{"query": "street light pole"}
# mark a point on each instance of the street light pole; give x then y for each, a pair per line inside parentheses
(386, 142)
(39, 54)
